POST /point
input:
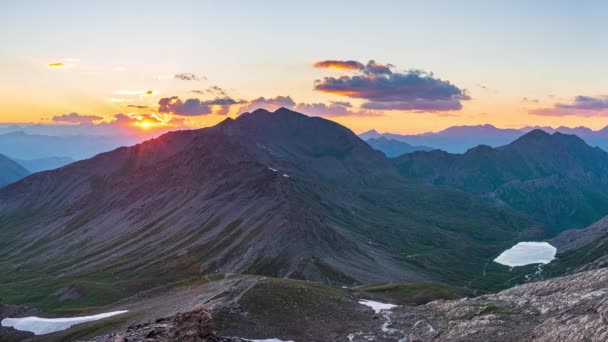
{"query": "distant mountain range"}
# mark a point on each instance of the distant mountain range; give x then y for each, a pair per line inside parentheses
(393, 148)
(459, 139)
(44, 164)
(556, 179)
(269, 193)
(10, 171)
(23, 146)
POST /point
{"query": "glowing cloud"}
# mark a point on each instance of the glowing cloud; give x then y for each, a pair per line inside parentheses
(384, 89)
(339, 65)
(68, 62)
(75, 118)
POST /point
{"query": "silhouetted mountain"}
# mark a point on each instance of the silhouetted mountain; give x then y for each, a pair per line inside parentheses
(371, 134)
(557, 179)
(393, 148)
(10, 171)
(459, 139)
(278, 194)
(43, 164)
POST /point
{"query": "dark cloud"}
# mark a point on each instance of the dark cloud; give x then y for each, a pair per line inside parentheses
(314, 109)
(188, 76)
(374, 68)
(137, 106)
(581, 106)
(76, 118)
(412, 90)
(194, 106)
(342, 103)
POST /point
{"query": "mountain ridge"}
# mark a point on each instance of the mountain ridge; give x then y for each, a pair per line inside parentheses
(531, 174)
(459, 139)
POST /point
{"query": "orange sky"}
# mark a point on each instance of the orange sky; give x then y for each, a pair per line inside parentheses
(485, 64)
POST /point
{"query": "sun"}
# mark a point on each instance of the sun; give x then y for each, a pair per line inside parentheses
(146, 125)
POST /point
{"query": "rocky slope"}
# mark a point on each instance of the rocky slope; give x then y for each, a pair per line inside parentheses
(10, 171)
(556, 179)
(577, 238)
(573, 308)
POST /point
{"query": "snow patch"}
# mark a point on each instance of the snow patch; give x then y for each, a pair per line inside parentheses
(285, 175)
(377, 306)
(271, 169)
(527, 253)
(41, 326)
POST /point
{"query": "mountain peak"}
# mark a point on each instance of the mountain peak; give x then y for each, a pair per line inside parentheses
(533, 135)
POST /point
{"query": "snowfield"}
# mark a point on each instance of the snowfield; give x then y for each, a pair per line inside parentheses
(377, 306)
(42, 326)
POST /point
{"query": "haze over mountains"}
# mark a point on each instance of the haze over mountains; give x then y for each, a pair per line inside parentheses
(25, 146)
(10, 171)
(393, 148)
(459, 139)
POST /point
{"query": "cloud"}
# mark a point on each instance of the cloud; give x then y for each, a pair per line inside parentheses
(270, 104)
(214, 90)
(188, 76)
(371, 68)
(137, 106)
(117, 100)
(339, 65)
(75, 118)
(529, 100)
(315, 109)
(68, 62)
(342, 103)
(580, 106)
(411, 90)
(195, 107)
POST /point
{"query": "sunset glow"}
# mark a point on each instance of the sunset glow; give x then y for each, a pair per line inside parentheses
(400, 79)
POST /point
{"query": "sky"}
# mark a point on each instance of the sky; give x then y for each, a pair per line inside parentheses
(393, 66)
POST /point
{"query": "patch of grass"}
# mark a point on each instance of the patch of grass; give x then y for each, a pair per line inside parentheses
(412, 293)
(491, 309)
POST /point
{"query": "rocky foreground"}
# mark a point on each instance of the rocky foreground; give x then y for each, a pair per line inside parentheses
(573, 308)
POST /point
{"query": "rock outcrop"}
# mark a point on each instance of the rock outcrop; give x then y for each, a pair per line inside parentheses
(573, 308)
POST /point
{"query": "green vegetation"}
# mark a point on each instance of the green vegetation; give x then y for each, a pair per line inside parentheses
(412, 293)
